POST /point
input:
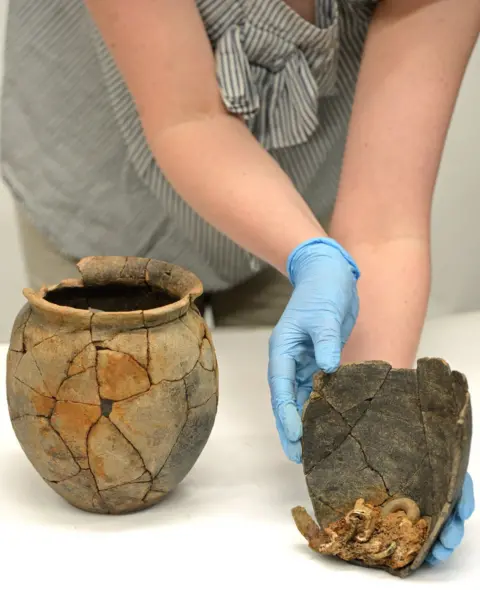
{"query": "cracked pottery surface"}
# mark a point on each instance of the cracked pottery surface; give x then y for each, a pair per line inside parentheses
(372, 435)
(112, 382)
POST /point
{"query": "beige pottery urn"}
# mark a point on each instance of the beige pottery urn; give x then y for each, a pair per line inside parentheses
(112, 382)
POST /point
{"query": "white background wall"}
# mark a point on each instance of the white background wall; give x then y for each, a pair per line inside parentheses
(455, 224)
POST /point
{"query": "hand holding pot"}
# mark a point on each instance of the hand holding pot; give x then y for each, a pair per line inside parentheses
(453, 531)
(312, 331)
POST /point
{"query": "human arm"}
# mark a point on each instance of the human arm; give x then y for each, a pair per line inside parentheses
(208, 155)
(415, 58)
(414, 61)
(218, 167)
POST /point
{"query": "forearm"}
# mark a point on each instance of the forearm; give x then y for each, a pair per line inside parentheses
(209, 156)
(414, 61)
(393, 291)
(218, 167)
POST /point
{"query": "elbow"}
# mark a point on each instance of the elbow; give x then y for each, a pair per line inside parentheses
(376, 228)
(159, 125)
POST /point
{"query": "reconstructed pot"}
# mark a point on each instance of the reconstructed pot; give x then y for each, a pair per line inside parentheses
(112, 382)
(385, 454)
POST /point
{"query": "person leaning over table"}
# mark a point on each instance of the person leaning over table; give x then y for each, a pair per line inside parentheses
(213, 134)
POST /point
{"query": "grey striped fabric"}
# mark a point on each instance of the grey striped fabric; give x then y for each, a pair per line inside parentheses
(75, 156)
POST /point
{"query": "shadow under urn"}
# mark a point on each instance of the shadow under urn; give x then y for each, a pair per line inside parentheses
(385, 454)
(112, 382)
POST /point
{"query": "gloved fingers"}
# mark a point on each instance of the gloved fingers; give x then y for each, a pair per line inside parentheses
(453, 531)
(350, 320)
(327, 342)
(432, 560)
(281, 379)
(466, 504)
(293, 450)
(440, 552)
(305, 380)
(347, 328)
(306, 367)
(303, 393)
(290, 421)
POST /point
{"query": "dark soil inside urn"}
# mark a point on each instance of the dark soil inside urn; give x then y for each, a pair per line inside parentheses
(110, 298)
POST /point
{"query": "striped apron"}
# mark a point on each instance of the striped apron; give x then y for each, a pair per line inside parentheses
(74, 154)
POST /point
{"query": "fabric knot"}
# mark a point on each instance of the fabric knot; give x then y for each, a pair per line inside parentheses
(274, 84)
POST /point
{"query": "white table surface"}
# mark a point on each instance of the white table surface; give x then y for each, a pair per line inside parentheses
(229, 524)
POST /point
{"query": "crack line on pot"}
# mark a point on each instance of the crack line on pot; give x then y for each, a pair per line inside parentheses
(183, 378)
(106, 345)
(307, 473)
(127, 483)
(212, 370)
(52, 411)
(68, 448)
(23, 327)
(68, 401)
(34, 390)
(41, 375)
(134, 396)
(69, 377)
(369, 399)
(120, 274)
(350, 428)
(92, 315)
(149, 357)
(349, 434)
(456, 460)
(56, 481)
(11, 349)
(132, 445)
(71, 361)
(404, 487)
(178, 435)
(145, 271)
(148, 491)
(143, 474)
(149, 360)
(89, 432)
(319, 498)
(46, 339)
(96, 359)
(422, 415)
(135, 361)
(203, 403)
(36, 414)
(15, 363)
(96, 495)
(369, 465)
(362, 415)
(190, 329)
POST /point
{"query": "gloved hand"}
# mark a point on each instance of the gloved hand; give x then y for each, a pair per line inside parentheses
(453, 530)
(312, 331)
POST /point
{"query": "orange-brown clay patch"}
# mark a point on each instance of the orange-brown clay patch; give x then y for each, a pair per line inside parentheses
(120, 376)
(72, 421)
(113, 460)
(43, 405)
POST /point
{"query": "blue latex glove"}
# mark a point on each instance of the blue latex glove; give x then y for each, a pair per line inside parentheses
(453, 530)
(312, 331)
